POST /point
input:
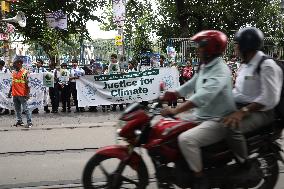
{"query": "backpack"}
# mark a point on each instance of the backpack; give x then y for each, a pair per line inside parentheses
(279, 109)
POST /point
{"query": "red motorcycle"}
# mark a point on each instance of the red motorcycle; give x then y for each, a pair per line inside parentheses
(128, 169)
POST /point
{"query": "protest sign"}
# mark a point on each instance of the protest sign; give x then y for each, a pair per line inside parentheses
(48, 79)
(145, 59)
(119, 12)
(125, 88)
(57, 19)
(38, 92)
(155, 59)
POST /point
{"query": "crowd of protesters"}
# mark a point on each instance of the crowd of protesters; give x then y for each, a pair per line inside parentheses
(65, 80)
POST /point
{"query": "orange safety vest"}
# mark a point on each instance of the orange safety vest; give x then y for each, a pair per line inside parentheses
(19, 83)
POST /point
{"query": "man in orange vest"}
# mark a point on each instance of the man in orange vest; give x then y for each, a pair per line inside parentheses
(20, 91)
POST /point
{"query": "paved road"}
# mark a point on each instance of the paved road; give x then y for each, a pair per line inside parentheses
(53, 153)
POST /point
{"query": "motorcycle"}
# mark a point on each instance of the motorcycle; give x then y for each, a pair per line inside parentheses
(170, 167)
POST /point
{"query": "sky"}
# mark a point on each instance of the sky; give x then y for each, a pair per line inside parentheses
(94, 29)
(97, 33)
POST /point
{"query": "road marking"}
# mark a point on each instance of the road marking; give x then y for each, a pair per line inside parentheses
(44, 152)
(57, 127)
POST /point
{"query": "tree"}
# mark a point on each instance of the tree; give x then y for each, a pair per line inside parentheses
(184, 18)
(37, 31)
(139, 25)
(192, 16)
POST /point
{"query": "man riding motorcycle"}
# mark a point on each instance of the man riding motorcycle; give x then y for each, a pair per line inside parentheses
(212, 100)
(257, 90)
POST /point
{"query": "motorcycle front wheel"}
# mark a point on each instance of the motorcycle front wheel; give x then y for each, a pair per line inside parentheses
(100, 172)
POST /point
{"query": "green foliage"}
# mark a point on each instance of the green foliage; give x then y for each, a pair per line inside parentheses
(37, 30)
(225, 15)
(184, 18)
(139, 25)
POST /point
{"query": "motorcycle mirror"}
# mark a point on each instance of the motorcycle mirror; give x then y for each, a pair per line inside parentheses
(154, 105)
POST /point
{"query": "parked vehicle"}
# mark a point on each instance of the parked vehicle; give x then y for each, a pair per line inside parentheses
(160, 141)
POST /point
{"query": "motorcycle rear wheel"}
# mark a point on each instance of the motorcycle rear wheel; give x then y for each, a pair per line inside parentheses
(102, 167)
(270, 170)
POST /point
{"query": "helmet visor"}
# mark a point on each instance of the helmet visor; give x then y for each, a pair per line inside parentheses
(198, 44)
(194, 44)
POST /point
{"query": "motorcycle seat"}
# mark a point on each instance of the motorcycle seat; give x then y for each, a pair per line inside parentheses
(274, 128)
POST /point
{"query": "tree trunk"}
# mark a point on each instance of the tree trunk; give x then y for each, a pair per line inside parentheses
(48, 49)
(182, 17)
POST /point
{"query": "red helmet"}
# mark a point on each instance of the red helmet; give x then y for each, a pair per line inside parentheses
(214, 42)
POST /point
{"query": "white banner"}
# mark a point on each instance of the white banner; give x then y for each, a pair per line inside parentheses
(125, 88)
(38, 94)
(119, 12)
(57, 20)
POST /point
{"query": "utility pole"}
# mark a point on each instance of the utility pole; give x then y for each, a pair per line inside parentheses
(119, 12)
(5, 7)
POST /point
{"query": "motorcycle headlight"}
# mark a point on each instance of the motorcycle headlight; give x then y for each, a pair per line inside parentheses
(119, 126)
(118, 131)
(137, 132)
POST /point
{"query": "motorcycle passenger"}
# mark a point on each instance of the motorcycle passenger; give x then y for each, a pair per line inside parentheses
(212, 100)
(257, 90)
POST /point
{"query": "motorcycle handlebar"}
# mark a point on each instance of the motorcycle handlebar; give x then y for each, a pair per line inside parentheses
(157, 107)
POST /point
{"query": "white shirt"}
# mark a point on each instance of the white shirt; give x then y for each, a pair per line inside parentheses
(4, 70)
(264, 87)
(76, 72)
(54, 72)
(130, 70)
(63, 76)
(113, 68)
(39, 70)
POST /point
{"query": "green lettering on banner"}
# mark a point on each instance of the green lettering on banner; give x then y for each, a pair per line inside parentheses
(126, 75)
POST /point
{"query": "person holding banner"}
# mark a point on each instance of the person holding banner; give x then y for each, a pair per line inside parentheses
(20, 91)
(54, 91)
(3, 70)
(95, 68)
(131, 67)
(112, 69)
(40, 69)
(63, 81)
(75, 73)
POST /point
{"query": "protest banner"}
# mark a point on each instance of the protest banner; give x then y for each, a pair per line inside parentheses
(126, 87)
(48, 79)
(38, 92)
(145, 59)
(57, 20)
(119, 12)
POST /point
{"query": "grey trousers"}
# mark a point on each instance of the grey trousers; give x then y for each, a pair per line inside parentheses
(206, 133)
(253, 121)
(213, 131)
